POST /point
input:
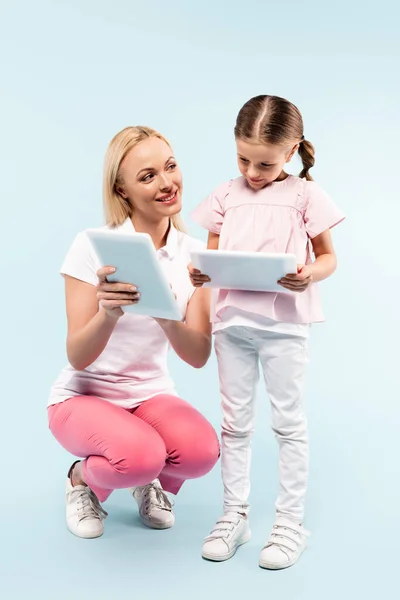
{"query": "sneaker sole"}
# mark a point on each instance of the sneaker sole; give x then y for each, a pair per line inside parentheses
(157, 526)
(86, 537)
(275, 567)
(221, 557)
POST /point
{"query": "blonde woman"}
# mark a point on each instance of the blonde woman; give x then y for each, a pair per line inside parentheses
(115, 405)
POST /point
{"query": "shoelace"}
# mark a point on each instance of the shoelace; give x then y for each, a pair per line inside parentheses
(161, 499)
(283, 534)
(91, 507)
(224, 528)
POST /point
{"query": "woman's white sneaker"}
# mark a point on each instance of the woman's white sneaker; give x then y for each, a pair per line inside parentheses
(285, 546)
(84, 513)
(155, 508)
(231, 531)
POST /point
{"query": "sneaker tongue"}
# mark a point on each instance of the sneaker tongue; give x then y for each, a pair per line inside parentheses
(282, 522)
(234, 516)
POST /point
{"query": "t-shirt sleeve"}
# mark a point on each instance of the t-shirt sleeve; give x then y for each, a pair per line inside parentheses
(210, 213)
(321, 213)
(80, 260)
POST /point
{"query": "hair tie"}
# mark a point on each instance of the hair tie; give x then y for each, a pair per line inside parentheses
(302, 138)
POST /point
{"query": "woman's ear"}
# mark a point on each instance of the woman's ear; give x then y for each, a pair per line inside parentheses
(121, 192)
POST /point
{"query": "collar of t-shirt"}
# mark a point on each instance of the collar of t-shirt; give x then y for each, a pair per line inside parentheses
(170, 247)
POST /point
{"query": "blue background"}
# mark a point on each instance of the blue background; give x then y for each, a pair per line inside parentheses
(72, 75)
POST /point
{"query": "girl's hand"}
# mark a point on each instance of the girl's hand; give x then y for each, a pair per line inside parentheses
(197, 278)
(111, 296)
(298, 282)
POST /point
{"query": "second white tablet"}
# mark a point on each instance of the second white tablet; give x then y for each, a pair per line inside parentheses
(249, 271)
(135, 258)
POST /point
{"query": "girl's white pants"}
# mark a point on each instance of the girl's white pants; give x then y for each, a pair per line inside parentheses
(283, 359)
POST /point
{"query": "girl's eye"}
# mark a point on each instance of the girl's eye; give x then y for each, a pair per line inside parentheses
(172, 166)
(244, 160)
(266, 166)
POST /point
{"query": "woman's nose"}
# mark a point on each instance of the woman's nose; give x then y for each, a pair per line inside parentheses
(165, 183)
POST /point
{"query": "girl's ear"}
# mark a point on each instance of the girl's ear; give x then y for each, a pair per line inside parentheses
(292, 153)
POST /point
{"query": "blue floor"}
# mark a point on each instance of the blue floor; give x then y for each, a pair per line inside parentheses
(353, 550)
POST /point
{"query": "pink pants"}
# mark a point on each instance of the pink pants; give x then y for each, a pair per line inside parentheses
(165, 438)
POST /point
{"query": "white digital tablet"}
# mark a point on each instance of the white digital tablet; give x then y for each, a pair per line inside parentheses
(135, 259)
(250, 271)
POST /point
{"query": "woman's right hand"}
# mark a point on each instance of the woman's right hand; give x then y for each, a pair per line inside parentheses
(197, 278)
(111, 296)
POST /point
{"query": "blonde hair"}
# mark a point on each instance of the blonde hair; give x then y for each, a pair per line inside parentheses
(275, 120)
(116, 208)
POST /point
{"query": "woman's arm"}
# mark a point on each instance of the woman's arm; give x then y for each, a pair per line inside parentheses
(92, 313)
(192, 340)
(89, 328)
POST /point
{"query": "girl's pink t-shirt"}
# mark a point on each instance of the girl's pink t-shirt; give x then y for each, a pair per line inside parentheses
(282, 217)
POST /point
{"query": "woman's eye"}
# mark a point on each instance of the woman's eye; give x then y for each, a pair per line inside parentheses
(172, 166)
(264, 166)
(147, 177)
(244, 160)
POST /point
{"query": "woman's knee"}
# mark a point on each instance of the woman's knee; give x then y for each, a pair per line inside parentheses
(140, 463)
(199, 451)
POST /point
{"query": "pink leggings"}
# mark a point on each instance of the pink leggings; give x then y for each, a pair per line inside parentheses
(165, 438)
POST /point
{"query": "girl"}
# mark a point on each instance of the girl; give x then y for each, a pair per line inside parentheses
(267, 210)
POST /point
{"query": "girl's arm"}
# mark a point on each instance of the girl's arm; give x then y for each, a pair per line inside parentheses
(213, 241)
(196, 277)
(192, 340)
(325, 258)
(324, 265)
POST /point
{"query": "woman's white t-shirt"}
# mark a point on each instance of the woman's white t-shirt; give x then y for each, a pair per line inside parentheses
(133, 366)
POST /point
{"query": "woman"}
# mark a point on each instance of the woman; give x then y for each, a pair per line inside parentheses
(115, 404)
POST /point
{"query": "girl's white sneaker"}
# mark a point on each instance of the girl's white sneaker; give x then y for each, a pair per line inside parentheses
(231, 531)
(285, 546)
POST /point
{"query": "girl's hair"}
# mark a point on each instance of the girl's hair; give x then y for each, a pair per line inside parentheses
(274, 120)
(117, 209)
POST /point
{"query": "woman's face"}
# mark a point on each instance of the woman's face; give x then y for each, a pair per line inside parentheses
(151, 180)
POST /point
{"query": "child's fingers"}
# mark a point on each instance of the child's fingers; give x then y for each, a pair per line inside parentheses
(200, 277)
(192, 270)
(293, 288)
(297, 277)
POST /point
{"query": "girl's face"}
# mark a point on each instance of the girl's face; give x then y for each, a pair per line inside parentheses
(152, 180)
(261, 163)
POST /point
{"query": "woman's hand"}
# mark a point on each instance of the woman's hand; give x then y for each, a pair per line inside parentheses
(197, 278)
(111, 296)
(298, 282)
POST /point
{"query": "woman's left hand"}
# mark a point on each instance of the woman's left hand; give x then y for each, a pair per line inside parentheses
(298, 282)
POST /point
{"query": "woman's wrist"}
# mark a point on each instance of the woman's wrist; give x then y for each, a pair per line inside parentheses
(108, 317)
